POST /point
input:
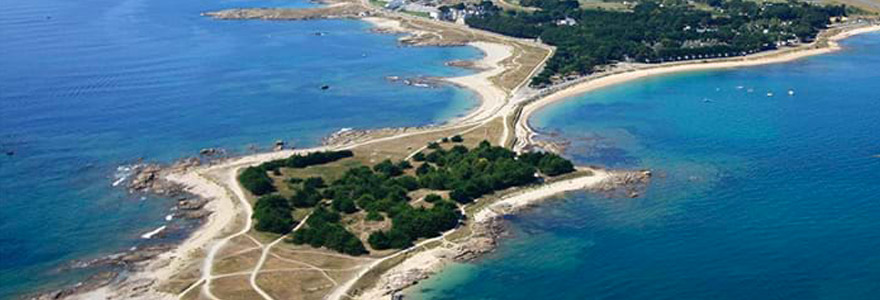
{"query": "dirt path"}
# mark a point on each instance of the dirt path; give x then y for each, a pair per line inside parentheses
(266, 250)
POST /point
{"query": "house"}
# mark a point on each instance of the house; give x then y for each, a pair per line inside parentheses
(433, 12)
(568, 21)
(395, 4)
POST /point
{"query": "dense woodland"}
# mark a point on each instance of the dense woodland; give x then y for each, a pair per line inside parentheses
(655, 31)
(383, 191)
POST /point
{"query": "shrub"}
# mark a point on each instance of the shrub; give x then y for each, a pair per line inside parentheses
(457, 139)
(306, 197)
(419, 156)
(374, 216)
(431, 198)
(314, 182)
(388, 168)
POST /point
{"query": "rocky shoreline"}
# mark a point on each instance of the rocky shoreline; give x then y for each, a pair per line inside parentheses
(485, 236)
(145, 179)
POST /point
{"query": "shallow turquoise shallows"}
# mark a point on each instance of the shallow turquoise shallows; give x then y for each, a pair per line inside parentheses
(754, 197)
(86, 86)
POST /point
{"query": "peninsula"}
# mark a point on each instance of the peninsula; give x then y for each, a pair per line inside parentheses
(372, 212)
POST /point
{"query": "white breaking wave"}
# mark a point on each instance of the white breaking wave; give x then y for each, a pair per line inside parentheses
(150, 234)
(122, 173)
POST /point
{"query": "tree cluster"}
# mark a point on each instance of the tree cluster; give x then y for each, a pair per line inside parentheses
(324, 230)
(272, 213)
(410, 224)
(549, 164)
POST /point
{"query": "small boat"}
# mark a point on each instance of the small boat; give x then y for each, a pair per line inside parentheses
(791, 92)
(325, 87)
(769, 94)
(739, 87)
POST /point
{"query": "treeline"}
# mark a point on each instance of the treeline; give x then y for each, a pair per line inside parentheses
(298, 161)
(257, 181)
(652, 32)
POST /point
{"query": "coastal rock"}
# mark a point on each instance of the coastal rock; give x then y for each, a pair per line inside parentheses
(278, 146)
(126, 258)
(93, 282)
(466, 64)
(191, 204)
(193, 214)
(148, 179)
(185, 164)
(209, 152)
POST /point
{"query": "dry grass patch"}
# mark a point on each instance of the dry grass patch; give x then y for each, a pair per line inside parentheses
(491, 131)
(193, 294)
(180, 281)
(400, 148)
(275, 263)
(320, 258)
(233, 288)
(237, 245)
(295, 285)
(237, 263)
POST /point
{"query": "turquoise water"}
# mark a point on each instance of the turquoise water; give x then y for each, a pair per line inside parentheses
(755, 197)
(86, 86)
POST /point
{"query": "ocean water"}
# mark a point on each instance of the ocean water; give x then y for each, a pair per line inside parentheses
(754, 197)
(87, 86)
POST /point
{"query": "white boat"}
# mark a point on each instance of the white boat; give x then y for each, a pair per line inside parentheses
(791, 92)
(769, 94)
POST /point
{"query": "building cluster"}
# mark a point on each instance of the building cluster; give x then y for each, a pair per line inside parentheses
(437, 11)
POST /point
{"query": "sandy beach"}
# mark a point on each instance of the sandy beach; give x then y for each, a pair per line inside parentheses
(525, 133)
(492, 98)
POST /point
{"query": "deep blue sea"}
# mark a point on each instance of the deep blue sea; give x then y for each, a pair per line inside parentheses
(87, 86)
(754, 197)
